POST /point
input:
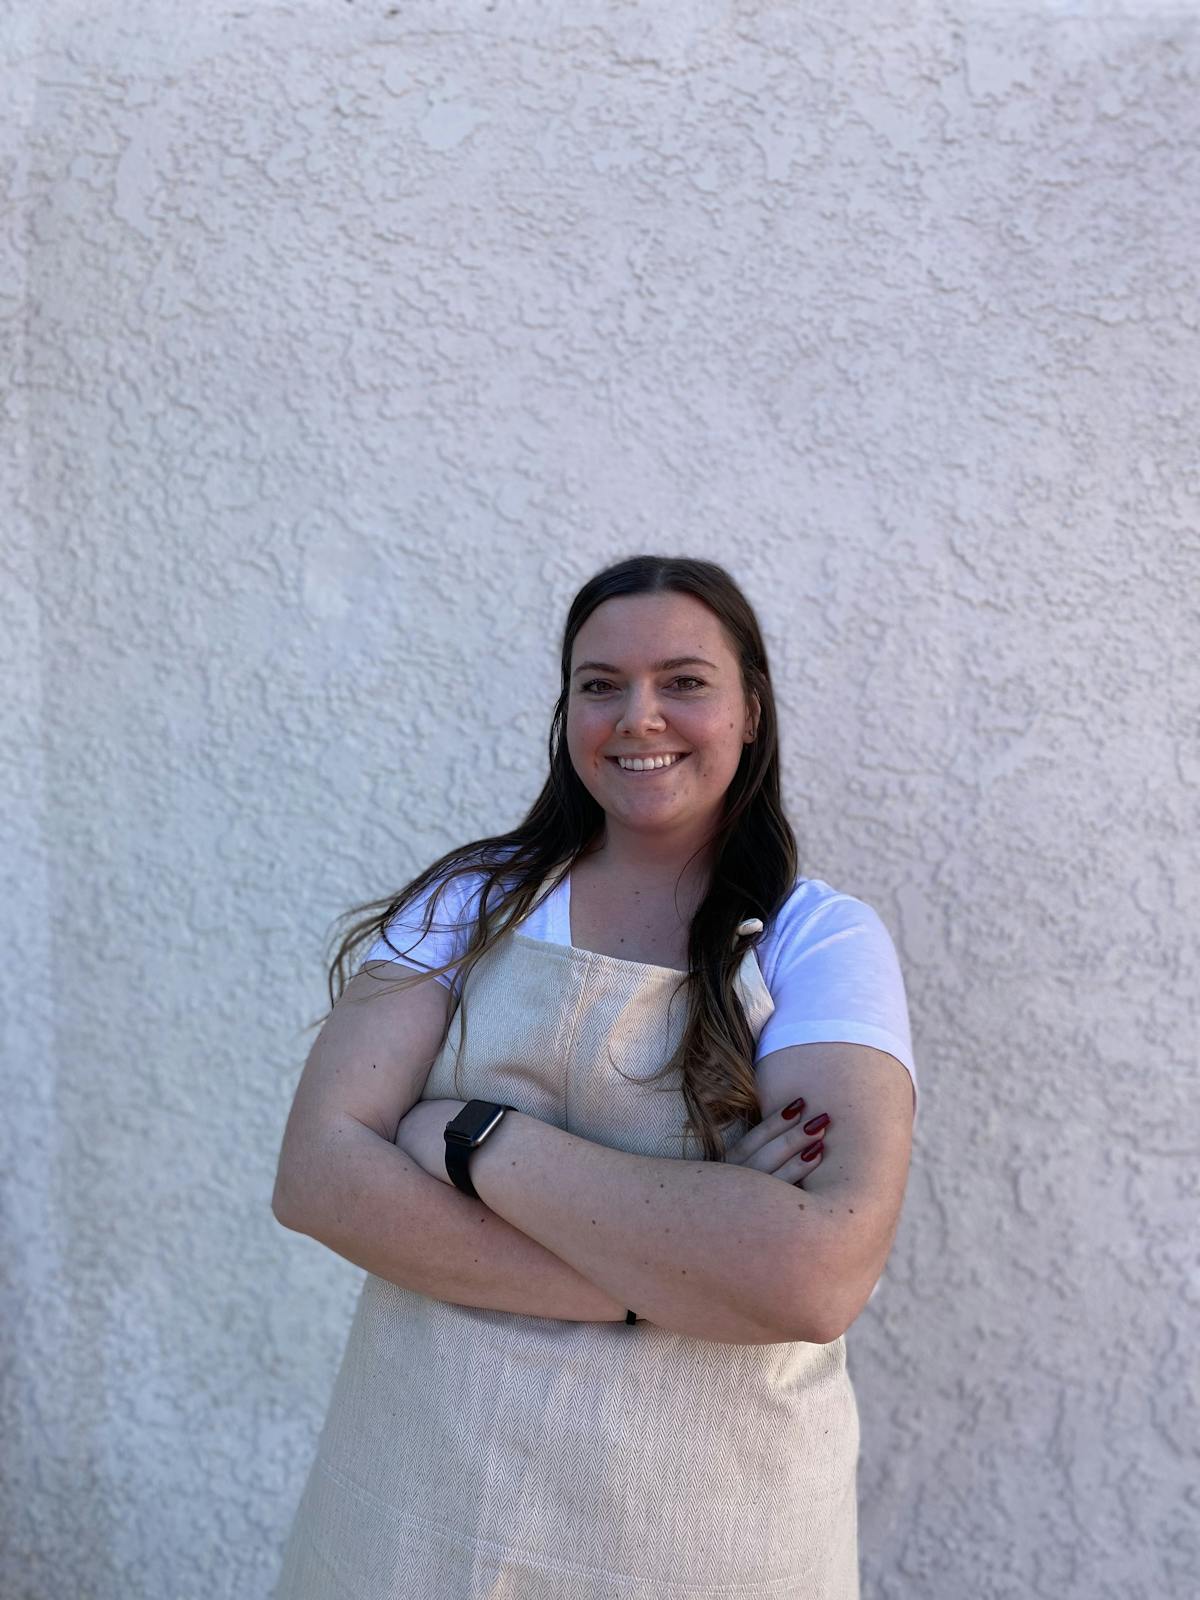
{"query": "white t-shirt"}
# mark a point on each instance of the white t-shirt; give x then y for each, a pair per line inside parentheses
(827, 959)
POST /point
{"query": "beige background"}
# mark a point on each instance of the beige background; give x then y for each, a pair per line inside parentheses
(342, 343)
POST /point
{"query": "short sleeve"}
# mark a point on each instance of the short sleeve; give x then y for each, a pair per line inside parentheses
(833, 973)
(449, 932)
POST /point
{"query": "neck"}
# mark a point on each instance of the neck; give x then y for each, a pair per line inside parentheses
(655, 861)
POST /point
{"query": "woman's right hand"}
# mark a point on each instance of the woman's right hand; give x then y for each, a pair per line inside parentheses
(778, 1144)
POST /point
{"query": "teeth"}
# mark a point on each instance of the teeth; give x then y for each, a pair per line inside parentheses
(635, 764)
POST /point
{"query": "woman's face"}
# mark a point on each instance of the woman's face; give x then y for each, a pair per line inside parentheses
(653, 674)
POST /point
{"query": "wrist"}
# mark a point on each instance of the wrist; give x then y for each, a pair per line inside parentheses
(483, 1160)
(467, 1136)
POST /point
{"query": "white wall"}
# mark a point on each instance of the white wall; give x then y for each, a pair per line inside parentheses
(344, 341)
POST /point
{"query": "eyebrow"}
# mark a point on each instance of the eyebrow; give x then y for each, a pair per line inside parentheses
(659, 666)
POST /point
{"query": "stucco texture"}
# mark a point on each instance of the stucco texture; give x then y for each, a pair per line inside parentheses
(342, 342)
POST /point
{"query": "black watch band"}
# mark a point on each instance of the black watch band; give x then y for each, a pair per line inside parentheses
(466, 1132)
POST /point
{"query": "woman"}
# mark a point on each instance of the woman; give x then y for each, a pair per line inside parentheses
(646, 1071)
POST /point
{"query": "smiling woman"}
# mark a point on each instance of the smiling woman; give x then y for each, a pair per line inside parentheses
(677, 1043)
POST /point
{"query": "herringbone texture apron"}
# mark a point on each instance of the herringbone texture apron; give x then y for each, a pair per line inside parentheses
(479, 1455)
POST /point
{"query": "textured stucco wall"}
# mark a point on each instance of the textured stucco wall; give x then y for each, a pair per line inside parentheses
(342, 342)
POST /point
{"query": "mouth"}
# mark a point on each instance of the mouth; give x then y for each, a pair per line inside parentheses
(648, 772)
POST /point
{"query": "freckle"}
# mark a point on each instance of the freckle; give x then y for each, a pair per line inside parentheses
(851, 1210)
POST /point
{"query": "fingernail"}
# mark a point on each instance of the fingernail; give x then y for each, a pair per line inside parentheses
(794, 1110)
(813, 1151)
(817, 1123)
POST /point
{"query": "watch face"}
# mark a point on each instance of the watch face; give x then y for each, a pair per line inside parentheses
(474, 1122)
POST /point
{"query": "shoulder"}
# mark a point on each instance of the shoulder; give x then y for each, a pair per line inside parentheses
(436, 923)
(450, 900)
(814, 910)
(833, 972)
(457, 888)
(823, 940)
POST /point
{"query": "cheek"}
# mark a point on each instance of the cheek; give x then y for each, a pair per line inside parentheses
(584, 734)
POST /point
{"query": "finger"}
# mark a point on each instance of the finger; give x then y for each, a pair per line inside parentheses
(791, 1143)
(802, 1141)
(807, 1161)
(755, 1139)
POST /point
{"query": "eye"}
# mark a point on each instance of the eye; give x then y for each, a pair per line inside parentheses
(591, 684)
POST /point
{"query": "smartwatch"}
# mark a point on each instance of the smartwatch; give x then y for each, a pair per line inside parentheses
(466, 1132)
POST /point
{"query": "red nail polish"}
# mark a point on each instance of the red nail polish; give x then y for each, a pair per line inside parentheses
(817, 1123)
(794, 1110)
(813, 1151)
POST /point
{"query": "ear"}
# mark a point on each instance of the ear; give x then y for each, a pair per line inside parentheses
(752, 718)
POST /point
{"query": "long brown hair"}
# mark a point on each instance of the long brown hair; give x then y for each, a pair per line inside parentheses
(754, 865)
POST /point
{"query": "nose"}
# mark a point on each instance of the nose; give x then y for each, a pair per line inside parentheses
(641, 713)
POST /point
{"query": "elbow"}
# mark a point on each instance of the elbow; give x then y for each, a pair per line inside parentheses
(807, 1318)
(282, 1209)
(817, 1328)
(834, 1278)
(826, 1308)
(831, 1328)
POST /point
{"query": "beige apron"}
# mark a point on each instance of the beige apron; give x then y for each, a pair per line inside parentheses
(471, 1454)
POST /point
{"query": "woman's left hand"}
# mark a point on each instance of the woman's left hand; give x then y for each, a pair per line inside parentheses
(422, 1135)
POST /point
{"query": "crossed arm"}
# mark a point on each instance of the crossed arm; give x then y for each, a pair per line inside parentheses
(712, 1250)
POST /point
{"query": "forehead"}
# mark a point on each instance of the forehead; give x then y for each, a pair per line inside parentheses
(634, 629)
